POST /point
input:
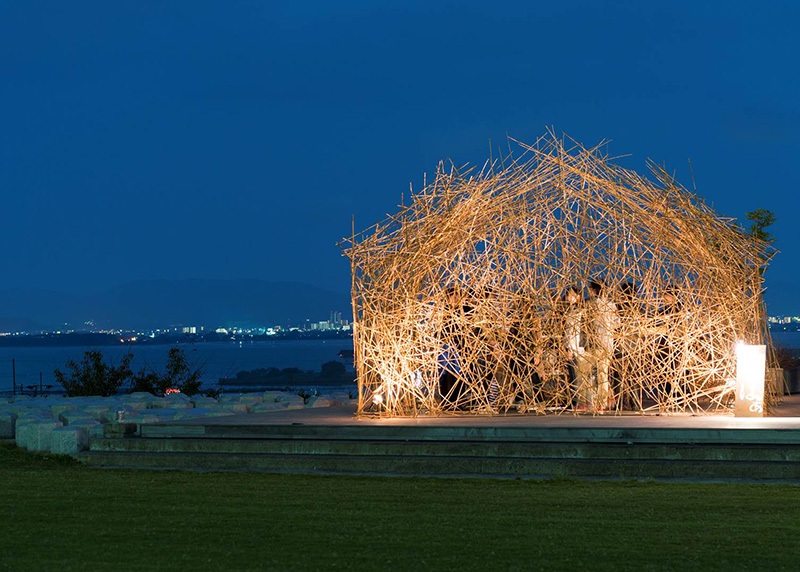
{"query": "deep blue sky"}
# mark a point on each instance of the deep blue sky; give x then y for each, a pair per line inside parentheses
(235, 139)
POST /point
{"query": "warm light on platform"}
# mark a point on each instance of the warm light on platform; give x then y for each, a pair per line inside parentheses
(750, 371)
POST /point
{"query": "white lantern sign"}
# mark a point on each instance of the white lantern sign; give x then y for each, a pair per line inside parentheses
(751, 362)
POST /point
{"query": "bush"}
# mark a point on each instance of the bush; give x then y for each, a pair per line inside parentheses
(92, 376)
(333, 370)
(178, 375)
(258, 375)
(214, 392)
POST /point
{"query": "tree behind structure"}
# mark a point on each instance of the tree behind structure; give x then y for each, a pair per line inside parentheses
(761, 219)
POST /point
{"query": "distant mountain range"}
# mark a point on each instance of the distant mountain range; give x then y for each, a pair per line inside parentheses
(159, 303)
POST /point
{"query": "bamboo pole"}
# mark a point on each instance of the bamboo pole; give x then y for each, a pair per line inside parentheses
(462, 301)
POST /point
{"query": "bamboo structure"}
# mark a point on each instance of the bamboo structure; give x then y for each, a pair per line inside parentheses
(554, 281)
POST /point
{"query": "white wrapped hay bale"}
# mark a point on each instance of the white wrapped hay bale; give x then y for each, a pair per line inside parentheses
(96, 411)
(33, 413)
(118, 414)
(251, 398)
(93, 428)
(170, 414)
(85, 422)
(272, 396)
(172, 398)
(200, 401)
(167, 403)
(69, 440)
(135, 404)
(320, 401)
(35, 435)
(248, 398)
(23, 432)
(188, 414)
(71, 416)
(234, 407)
(7, 421)
(56, 409)
(220, 412)
(271, 406)
(43, 434)
(291, 399)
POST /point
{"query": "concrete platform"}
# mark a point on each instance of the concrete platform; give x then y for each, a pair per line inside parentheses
(786, 414)
(333, 440)
(337, 421)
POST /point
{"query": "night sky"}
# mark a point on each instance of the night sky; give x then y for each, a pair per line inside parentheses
(231, 140)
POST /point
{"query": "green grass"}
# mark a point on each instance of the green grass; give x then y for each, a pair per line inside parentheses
(58, 515)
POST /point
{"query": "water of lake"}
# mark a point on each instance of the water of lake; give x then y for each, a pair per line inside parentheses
(786, 339)
(217, 359)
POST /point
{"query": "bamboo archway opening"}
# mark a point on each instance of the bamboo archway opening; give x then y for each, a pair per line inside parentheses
(555, 281)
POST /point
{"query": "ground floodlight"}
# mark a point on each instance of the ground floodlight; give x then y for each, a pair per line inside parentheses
(751, 364)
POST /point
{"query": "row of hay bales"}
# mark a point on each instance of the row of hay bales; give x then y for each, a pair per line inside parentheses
(64, 425)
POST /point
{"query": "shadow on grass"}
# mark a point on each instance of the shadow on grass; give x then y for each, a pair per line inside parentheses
(14, 458)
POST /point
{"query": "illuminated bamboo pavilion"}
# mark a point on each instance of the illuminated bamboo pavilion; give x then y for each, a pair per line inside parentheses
(482, 294)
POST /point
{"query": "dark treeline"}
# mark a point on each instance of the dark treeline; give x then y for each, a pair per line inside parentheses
(331, 373)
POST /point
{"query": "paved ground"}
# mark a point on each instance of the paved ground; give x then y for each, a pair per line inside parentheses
(786, 416)
(790, 407)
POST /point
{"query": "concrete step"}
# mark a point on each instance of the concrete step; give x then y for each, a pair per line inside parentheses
(582, 434)
(425, 448)
(455, 466)
(332, 441)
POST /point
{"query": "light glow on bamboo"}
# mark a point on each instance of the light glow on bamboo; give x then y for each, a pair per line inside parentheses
(461, 299)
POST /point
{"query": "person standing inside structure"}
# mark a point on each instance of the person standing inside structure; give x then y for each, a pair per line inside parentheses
(452, 373)
(579, 367)
(626, 364)
(669, 349)
(602, 318)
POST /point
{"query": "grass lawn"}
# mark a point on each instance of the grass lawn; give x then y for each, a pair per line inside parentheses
(58, 515)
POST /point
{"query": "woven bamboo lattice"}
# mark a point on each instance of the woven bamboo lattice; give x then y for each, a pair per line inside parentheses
(479, 295)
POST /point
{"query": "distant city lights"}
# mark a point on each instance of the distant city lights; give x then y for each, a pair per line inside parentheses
(784, 319)
(335, 323)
